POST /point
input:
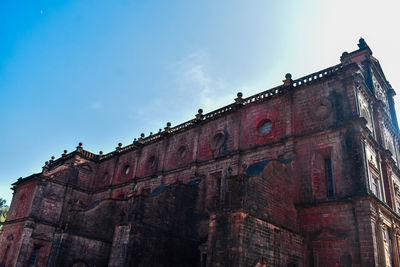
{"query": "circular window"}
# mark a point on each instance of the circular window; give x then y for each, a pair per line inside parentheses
(264, 127)
(126, 169)
(151, 162)
(182, 151)
(105, 177)
(219, 140)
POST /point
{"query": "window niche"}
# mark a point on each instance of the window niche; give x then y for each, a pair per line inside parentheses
(151, 162)
(218, 145)
(126, 170)
(397, 201)
(329, 177)
(396, 193)
(218, 140)
(34, 256)
(375, 186)
(182, 152)
(323, 181)
(365, 110)
(106, 177)
(375, 183)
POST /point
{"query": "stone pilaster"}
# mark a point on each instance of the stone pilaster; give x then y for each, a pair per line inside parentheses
(119, 250)
(394, 234)
(23, 254)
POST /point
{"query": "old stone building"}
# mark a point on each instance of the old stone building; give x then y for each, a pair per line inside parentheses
(304, 174)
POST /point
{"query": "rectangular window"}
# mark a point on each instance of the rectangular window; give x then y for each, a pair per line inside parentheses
(217, 180)
(398, 206)
(375, 186)
(329, 177)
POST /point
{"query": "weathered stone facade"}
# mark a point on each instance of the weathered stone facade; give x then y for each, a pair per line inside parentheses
(304, 174)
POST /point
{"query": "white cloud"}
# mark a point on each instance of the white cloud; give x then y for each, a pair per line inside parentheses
(195, 77)
(96, 105)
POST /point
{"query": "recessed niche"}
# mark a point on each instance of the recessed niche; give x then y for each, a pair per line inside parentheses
(218, 140)
(151, 162)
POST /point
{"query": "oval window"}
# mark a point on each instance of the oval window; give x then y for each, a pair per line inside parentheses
(105, 177)
(264, 127)
(126, 169)
(151, 162)
(182, 152)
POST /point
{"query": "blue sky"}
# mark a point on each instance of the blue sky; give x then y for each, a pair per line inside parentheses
(103, 72)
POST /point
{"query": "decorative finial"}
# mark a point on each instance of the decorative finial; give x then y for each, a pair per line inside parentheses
(45, 167)
(151, 133)
(168, 128)
(288, 81)
(199, 115)
(101, 152)
(362, 44)
(119, 146)
(65, 151)
(141, 138)
(79, 147)
(345, 58)
(159, 130)
(239, 99)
